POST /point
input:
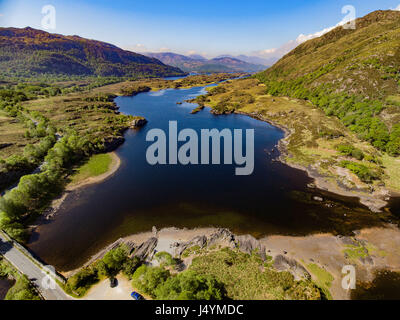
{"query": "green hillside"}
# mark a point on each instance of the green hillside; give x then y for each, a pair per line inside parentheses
(29, 52)
(351, 74)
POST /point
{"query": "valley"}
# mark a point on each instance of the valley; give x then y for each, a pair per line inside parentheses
(79, 192)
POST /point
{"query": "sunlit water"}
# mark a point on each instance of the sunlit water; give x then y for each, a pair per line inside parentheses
(273, 200)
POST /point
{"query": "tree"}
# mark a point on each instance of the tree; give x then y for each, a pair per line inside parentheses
(114, 260)
(147, 279)
(189, 285)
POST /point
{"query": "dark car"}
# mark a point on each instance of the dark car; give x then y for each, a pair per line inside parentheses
(113, 282)
(136, 296)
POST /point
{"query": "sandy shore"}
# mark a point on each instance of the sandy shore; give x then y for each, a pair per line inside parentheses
(56, 203)
(325, 250)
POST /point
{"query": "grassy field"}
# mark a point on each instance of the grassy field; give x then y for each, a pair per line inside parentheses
(322, 278)
(12, 136)
(96, 165)
(314, 137)
(246, 277)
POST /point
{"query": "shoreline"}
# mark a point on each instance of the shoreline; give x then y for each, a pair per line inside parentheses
(52, 210)
(324, 250)
(374, 203)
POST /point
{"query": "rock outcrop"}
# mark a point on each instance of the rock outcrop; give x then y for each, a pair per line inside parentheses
(225, 239)
(137, 123)
(146, 249)
(282, 263)
(200, 241)
(248, 244)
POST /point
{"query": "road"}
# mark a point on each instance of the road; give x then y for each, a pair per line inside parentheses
(26, 266)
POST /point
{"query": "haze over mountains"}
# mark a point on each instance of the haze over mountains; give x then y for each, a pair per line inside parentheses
(28, 52)
(199, 64)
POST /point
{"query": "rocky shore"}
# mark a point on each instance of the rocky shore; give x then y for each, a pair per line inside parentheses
(368, 250)
(375, 201)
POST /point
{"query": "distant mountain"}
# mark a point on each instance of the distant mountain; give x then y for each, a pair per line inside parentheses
(197, 57)
(253, 59)
(364, 61)
(351, 74)
(202, 65)
(29, 52)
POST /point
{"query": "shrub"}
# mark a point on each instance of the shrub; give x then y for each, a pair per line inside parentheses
(189, 285)
(165, 259)
(363, 172)
(114, 260)
(80, 282)
(349, 150)
(22, 290)
(147, 279)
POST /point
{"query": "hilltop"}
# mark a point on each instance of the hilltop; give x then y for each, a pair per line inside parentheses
(199, 64)
(351, 74)
(29, 52)
(337, 97)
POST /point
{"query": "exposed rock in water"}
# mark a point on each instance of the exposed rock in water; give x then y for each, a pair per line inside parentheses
(137, 123)
(146, 249)
(282, 263)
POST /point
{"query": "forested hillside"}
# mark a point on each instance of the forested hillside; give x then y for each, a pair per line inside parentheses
(29, 52)
(351, 74)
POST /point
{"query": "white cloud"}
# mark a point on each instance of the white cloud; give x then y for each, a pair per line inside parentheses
(164, 49)
(290, 45)
(397, 8)
(136, 48)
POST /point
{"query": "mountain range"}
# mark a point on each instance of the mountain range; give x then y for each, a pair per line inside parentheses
(267, 62)
(29, 52)
(199, 64)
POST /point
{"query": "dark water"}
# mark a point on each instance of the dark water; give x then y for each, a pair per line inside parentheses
(5, 285)
(274, 200)
(385, 286)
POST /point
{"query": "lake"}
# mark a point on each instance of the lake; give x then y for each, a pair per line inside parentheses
(273, 200)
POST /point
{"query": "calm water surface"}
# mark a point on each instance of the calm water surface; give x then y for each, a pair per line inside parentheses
(273, 200)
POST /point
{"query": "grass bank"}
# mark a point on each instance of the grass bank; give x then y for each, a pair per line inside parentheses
(96, 169)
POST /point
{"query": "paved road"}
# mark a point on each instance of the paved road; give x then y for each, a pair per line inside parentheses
(31, 270)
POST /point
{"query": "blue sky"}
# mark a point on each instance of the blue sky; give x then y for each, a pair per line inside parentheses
(205, 27)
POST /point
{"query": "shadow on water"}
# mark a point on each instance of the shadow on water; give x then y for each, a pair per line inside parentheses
(385, 286)
(273, 200)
